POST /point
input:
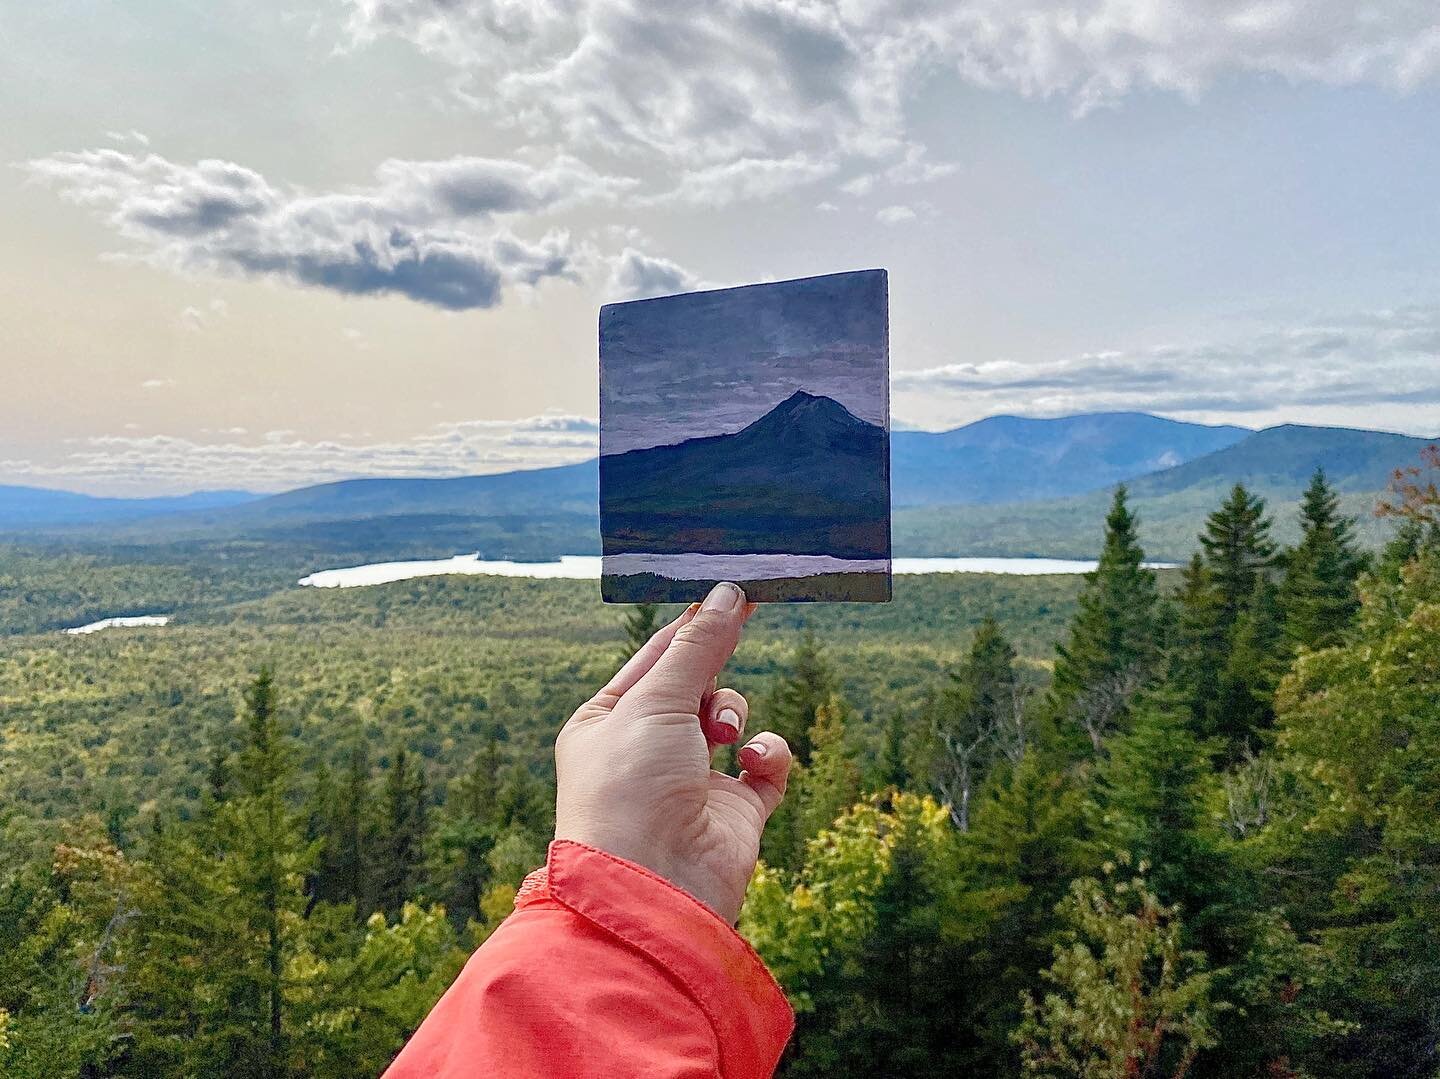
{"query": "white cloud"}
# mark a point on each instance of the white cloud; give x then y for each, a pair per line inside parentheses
(198, 319)
(746, 178)
(737, 80)
(426, 230)
(895, 215)
(157, 383)
(280, 460)
(1369, 359)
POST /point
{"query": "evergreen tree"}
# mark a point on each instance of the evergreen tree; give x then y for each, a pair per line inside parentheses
(1243, 704)
(402, 834)
(831, 784)
(225, 906)
(1115, 629)
(1148, 800)
(641, 622)
(461, 844)
(1238, 550)
(1230, 641)
(798, 695)
(1318, 593)
(340, 822)
(966, 719)
(892, 770)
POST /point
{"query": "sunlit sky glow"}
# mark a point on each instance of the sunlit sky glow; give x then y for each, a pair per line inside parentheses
(258, 245)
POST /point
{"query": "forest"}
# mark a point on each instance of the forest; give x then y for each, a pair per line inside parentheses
(1137, 823)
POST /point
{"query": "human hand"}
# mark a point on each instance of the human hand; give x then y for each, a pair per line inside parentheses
(632, 765)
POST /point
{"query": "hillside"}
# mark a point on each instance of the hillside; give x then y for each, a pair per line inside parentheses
(994, 460)
(1014, 459)
(1275, 463)
(40, 507)
(548, 512)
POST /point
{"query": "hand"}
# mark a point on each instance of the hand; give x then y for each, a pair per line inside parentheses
(632, 765)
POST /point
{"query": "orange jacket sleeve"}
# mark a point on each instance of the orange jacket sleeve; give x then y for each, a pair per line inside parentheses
(604, 969)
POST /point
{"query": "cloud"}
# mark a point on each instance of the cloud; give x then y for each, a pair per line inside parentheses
(157, 383)
(426, 230)
(280, 460)
(1373, 358)
(635, 275)
(744, 179)
(198, 319)
(771, 80)
(895, 215)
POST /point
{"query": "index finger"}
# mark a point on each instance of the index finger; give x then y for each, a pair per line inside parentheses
(696, 652)
(638, 665)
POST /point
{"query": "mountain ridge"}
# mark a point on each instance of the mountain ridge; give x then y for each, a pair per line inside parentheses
(807, 477)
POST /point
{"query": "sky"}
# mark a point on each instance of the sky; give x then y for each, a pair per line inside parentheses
(709, 363)
(256, 245)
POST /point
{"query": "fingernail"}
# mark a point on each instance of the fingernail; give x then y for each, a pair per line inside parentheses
(723, 597)
(730, 718)
(757, 748)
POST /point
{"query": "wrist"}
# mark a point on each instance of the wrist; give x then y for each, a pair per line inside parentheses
(677, 870)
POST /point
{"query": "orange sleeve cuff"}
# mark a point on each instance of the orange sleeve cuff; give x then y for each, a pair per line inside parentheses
(605, 969)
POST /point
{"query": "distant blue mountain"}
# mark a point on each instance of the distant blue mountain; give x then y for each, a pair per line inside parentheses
(38, 507)
(1016, 459)
(808, 477)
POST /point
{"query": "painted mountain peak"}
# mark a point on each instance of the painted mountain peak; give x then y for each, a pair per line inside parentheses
(807, 477)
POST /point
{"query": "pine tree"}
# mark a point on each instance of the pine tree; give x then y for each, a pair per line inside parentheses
(795, 699)
(225, 910)
(1115, 629)
(341, 823)
(965, 721)
(1318, 595)
(1148, 801)
(831, 783)
(459, 868)
(1243, 703)
(641, 622)
(1229, 640)
(402, 834)
(1238, 550)
(892, 770)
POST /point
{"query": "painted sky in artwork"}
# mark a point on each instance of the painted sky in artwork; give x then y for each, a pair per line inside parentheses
(709, 363)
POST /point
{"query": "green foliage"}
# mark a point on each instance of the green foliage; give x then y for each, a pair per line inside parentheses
(794, 704)
(1318, 595)
(1125, 998)
(1115, 628)
(184, 894)
(970, 723)
(640, 624)
(1361, 722)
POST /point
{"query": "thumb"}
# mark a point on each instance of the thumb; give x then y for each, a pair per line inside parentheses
(696, 654)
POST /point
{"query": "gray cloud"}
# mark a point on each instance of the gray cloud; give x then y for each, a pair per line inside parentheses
(635, 275)
(426, 230)
(1372, 358)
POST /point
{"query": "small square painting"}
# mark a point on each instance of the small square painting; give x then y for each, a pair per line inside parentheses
(744, 436)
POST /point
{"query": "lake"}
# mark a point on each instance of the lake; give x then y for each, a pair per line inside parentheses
(121, 623)
(587, 567)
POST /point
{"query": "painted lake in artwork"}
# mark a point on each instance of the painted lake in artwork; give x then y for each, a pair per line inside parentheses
(744, 436)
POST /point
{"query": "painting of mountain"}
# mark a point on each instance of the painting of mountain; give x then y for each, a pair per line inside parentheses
(744, 435)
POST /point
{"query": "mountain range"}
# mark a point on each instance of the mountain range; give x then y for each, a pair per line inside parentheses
(41, 507)
(807, 477)
(1002, 485)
